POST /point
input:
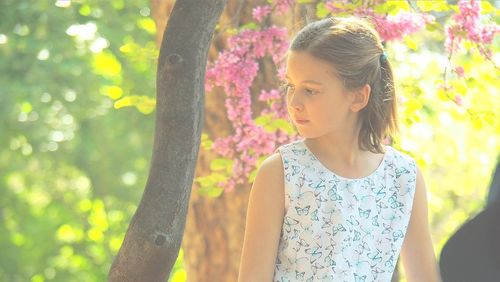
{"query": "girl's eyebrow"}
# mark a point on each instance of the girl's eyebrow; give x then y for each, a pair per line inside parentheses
(308, 81)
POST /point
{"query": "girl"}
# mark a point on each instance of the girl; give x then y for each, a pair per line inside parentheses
(338, 205)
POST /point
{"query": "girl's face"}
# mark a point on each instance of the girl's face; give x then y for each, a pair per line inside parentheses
(317, 102)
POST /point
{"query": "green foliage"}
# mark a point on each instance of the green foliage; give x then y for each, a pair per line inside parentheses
(144, 104)
(321, 10)
(433, 6)
(392, 7)
(72, 167)
(272, 124)
(456, 145)
(210, 185)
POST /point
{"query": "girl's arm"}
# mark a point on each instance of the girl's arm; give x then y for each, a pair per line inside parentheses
(263, 223)
(417, 251)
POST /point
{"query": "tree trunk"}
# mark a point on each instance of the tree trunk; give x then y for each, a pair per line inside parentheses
(154, 236)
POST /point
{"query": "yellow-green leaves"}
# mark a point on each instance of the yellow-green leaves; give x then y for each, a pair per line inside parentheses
(114, 92)
(272, 125)
(321, 10)
(206, 143)
(410, 43)
(433, 6)
(209, 184)
(144, 104)
(222, 164)
(221, 170)
(392, 7)
(147, 24)
(106, 64)
(68, 233)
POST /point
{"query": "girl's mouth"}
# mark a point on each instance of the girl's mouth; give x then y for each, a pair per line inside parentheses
(301, 121)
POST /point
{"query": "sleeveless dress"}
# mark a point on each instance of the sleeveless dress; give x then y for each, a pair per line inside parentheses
(342, 229)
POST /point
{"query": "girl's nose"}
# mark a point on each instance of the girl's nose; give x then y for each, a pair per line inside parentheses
(295, 103)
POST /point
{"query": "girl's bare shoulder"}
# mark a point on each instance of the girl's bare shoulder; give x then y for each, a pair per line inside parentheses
(272, 167)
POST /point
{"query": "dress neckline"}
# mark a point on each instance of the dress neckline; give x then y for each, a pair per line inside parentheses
(322, 166)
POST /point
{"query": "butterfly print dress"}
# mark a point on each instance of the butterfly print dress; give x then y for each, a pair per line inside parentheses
(342, 229)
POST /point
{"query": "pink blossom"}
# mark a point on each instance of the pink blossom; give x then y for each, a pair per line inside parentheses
(389, 27)
(460, 71)
(459, 100)
(282, 6)
(235, 70)
(395, 27)
(260, 12)
(273, 94)
(466, 24)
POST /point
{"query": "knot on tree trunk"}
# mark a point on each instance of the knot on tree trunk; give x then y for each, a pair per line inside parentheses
(174, 60)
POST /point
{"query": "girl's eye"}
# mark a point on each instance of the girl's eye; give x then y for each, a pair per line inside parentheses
(287, 88)
(310, 91)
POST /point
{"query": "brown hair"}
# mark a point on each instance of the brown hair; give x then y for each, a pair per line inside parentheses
(355, 50)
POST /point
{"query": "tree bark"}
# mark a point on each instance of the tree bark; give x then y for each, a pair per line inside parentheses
(154, 236)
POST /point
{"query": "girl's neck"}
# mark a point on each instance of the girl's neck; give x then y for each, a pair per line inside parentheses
(343, 155)
(344, 151)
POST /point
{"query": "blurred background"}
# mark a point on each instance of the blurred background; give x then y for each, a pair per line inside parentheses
(77, 97)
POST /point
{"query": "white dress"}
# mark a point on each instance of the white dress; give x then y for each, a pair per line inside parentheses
(342, 229)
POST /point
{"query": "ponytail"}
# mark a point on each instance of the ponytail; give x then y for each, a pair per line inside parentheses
(378, 118)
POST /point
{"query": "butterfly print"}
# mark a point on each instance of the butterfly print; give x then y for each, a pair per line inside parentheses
(342, 229)
(303, 211)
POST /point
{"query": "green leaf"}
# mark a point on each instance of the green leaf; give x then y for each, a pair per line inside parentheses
(262, 120)
(410, 43)
(212, 192)
(391, 7)
(250, 25)
(232, 31)
(442, 95)
(486, 7)
(283, 125)
(118, 4)
(477, 122)
(251, 177)
(106, 64)
(433, 27)
(211, 180)
(84, 10)
(221, 164)
(206, 143)
(471, 82)
(144, 104)
(68, 233)
(26, 107)
(459, 87)
(413, 105)
(454, 8)
(321, 10)
(114, 92)
(433, 6)
(148, 25)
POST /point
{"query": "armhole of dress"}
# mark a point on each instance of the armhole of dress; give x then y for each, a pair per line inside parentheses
(280, 150)
(413, 163)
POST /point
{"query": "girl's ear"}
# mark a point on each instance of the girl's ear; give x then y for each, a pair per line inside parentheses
(360, 98)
